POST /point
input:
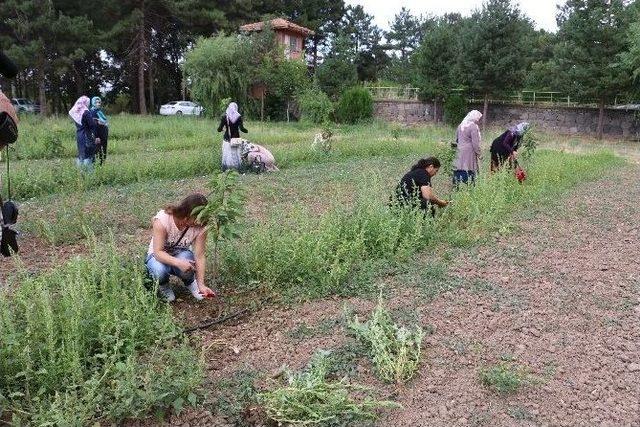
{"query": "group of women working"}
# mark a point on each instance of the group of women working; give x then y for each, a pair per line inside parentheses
(177, 247)
(92, 131)
(414, 189)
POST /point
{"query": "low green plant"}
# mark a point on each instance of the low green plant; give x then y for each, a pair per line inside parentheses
(530, 141)
(311, 398)
(394, 350)
(355, 105)
(315, 106)
(88, 342)
(234, 395)
(504, 377)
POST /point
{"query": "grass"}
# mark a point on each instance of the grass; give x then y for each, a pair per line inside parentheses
(394, 350)
(87, 342)
(311, 398)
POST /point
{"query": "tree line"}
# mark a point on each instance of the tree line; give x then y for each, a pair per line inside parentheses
(136, 48)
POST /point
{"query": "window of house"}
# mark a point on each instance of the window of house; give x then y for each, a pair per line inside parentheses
(293, 44)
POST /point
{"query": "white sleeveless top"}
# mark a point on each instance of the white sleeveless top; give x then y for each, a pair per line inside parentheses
(173, 234)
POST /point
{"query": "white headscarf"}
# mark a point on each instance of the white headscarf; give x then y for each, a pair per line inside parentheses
(521, 128)
(472, 117)
(232, 112)
(78, 109)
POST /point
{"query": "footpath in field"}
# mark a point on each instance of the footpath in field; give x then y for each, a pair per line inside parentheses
(559, 299)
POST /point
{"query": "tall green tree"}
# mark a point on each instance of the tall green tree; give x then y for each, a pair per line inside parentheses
(592, 37)
(435, 61)
(405, 33)
(338, 71)
(494, 42)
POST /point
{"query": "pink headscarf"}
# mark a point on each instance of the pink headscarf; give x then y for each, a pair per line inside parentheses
(78, 109)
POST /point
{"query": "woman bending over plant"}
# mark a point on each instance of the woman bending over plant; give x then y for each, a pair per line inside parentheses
(177, 248)
(414, 189)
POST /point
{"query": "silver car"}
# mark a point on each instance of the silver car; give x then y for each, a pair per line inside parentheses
(179, 108)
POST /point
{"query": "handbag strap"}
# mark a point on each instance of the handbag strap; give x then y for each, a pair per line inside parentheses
(179, 239)
(8, 173)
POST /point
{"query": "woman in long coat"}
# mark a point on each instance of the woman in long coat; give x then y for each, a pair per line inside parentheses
(468, 152)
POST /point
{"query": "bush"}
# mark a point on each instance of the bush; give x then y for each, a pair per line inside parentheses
(355, 105)
(315, 106)
(89, 342)
(455, 108)
(394, 350)
(504, 378)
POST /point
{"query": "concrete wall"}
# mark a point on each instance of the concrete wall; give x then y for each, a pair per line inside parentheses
(566, 120)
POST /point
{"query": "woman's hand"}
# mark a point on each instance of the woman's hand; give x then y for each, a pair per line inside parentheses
(206, 291)
(185, 265)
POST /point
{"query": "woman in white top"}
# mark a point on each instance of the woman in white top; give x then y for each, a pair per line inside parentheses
(177, 248)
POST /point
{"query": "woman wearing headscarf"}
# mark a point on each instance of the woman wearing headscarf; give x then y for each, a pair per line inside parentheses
(102, 129)
(505, 147)
(468, 152)
(86, 128)
(231, 122)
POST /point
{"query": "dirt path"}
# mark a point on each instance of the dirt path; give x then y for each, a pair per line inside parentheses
(560, 298)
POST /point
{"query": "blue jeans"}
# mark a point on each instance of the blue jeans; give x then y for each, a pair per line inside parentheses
(464, 177)
(162, 272)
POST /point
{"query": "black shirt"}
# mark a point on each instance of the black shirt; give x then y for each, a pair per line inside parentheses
(235, 127)
(408, 190)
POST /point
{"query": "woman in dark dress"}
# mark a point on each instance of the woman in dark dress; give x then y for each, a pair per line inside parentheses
(86, 128)
(102, 129)
(505, 147)
(232, 124)
(414, 189)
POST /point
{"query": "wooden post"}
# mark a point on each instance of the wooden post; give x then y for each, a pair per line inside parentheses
(484, 112)
(262, 105)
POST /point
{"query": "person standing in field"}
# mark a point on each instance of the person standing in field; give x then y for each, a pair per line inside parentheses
(505, 147)
(468, 152)
(232, 124)
(86, 129)
(178, 248)
(102, 128)
(414, 189)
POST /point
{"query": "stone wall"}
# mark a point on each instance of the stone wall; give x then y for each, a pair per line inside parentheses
(566, 120)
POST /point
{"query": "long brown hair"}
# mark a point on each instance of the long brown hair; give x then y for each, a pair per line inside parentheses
(186, 206)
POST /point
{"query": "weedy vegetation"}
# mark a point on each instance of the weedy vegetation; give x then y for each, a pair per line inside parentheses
(394, 350)
(505, 377)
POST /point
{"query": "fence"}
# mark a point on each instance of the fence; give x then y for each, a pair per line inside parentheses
(394, 93)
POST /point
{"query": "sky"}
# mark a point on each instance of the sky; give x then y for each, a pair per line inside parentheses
(542, 12)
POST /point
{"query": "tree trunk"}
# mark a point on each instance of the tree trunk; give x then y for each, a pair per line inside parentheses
(152, 106)
(484, 111)
(600, 118)
(42, 94)
(142, 104)
(435, 110)
(287, 111)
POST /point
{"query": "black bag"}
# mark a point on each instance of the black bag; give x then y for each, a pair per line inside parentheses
(9, 242)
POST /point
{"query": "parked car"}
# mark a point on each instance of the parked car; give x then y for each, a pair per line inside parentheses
(24, 105)
(178, 108)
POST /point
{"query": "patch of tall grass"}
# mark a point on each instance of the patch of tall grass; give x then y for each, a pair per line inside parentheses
(87, 342)
(300, 256)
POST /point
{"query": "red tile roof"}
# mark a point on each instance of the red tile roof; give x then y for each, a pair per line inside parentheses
(278, 24)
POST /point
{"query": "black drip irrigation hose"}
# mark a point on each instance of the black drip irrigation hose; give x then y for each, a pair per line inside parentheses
(216, 321)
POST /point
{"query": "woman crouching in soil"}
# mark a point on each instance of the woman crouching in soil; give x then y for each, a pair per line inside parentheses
(414, 189)
(177, 248)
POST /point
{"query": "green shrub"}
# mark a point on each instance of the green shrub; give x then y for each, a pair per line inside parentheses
(310, 398)
(355, 105)
(89, 342)
(315, 106)
(455, 108)
(504, 378)
(394, 350)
